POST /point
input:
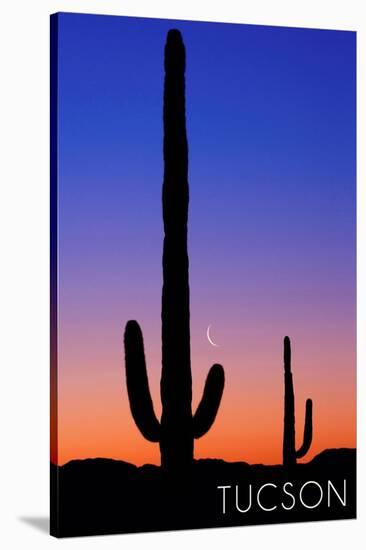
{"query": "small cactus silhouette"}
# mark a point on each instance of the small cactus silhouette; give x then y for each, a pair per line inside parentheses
(178, 427)
(289, 451)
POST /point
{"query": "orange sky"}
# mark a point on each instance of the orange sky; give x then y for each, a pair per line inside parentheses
(94, 417)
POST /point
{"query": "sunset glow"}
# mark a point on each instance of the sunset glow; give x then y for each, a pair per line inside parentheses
(271, 132)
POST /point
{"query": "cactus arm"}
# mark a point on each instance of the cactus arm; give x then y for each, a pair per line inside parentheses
(137, 383)
(308, 430)
(210, 402)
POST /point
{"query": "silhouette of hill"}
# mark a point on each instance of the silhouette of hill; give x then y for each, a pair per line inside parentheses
(101, 496)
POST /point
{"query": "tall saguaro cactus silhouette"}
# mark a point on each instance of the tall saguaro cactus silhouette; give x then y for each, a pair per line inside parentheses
(290, 454)
(178, 427)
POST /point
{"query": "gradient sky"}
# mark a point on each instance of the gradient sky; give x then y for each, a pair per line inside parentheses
(271, 132)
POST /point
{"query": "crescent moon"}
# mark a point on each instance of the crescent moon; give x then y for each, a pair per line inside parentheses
(210, 339)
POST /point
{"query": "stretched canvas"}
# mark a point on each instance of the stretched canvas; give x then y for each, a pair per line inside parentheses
(202, 274)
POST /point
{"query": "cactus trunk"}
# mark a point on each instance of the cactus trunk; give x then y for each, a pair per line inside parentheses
(177, 428)
(289, 442)
(176, 443)
(289, 413)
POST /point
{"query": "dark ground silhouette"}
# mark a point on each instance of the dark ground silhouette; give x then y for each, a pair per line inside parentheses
(101, 496)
